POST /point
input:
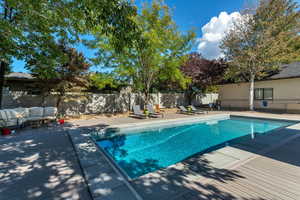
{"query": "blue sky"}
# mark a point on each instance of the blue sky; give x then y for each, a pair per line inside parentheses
(190, 14)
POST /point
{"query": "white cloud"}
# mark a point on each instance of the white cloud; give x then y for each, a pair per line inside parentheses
(213, 32)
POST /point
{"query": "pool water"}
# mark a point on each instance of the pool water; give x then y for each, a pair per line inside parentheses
(139, 153)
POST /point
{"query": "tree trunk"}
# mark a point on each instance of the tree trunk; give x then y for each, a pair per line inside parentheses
(251, 92)
(190, 95)
(58, 102)
(3, 67)
(146, 93)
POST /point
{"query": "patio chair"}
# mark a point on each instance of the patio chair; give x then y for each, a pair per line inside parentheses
(152, 112)
(183, 110)
(137, 112)
(197, 111)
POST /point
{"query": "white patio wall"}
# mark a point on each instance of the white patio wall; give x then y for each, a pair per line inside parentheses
(76, 104)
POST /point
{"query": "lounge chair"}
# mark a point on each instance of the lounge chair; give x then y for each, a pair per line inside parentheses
(137, 112)
(183, 110)
(195, 110)
(152, 112)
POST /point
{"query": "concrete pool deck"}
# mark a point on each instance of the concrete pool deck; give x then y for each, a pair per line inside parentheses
(42, 164)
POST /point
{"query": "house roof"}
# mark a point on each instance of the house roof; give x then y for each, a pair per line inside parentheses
(288, 71)
(19, 75)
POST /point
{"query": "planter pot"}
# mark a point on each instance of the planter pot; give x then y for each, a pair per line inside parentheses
(61, 121)
(6, 131)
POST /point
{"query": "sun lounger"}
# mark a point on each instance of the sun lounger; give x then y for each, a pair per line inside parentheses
(137, 112)
(195, 110)
(152, 112)
(183, 110)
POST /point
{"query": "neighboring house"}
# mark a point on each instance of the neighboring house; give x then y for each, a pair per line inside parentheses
(280, 92)
(21, 82)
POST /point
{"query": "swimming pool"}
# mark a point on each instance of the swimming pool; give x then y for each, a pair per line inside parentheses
(141, 150)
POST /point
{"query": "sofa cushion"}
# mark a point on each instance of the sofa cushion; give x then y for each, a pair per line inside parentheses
(11, 114)
(11, 117)
(3, 116)
(36, 112)
(23, 112)
(11, 122)
(34, 118)
(50, 112)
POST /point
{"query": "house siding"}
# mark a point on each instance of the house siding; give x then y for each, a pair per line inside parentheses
(286, 95)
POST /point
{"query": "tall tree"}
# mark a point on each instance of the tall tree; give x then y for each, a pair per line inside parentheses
(104, 81)
(203, 73)
(159, 52)
(28, 26)
(60, 75)
(261, 40)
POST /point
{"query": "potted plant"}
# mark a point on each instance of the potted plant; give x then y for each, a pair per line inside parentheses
(189, 108)
(61, 119)
(146, 112)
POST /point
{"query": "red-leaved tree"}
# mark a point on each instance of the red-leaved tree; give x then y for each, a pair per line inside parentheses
(203, 73)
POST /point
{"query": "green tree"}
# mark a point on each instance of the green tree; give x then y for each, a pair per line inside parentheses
(262, 40)
(103, 81)
(65, 74)
(157, 53)
(27, 26)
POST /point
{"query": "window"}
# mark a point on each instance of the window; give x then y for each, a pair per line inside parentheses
(263, 93)
(259, 94)
(268, 93)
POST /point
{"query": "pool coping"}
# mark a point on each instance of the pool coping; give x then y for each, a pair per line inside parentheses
(266, 118)
(120, 129)
(86, 144)
(179, 120)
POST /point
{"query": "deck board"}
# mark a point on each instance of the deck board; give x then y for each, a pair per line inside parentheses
(267, 185)
(270, 176)
(274, 179)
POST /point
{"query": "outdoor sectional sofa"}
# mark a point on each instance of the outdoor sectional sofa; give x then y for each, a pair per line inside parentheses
(19, 116)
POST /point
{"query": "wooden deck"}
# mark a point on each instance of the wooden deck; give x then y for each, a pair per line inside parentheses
(275, 175)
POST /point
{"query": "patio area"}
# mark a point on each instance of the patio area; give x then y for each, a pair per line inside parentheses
(44, 163)
(40, 164)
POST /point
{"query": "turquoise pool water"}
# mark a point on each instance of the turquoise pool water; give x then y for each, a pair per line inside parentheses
(139, 153)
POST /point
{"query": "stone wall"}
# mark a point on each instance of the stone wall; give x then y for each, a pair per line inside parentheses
(76, 104)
